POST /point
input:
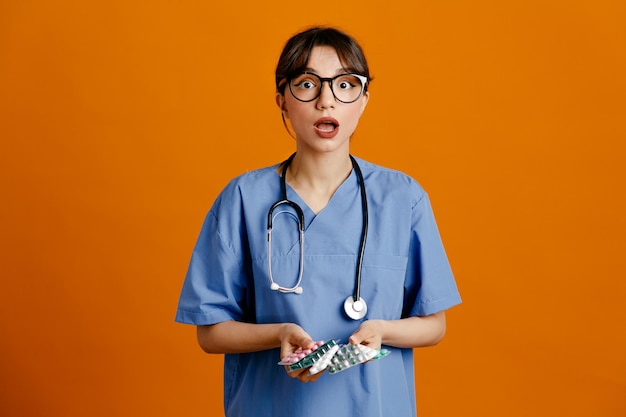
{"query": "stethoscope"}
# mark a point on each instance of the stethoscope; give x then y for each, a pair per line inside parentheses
(354, 306)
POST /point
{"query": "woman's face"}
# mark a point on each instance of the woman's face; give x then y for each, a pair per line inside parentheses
(323, 124)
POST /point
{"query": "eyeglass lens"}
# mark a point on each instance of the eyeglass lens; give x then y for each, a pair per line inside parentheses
(346, 88)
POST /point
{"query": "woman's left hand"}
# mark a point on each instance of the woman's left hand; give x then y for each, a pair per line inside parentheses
(410, 332)
(370, 334)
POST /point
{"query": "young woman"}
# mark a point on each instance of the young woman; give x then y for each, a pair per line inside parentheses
(354, 255)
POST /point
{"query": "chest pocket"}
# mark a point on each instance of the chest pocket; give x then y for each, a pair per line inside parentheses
(382, 285)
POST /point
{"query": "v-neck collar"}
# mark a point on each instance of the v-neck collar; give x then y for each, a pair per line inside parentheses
(309, 214)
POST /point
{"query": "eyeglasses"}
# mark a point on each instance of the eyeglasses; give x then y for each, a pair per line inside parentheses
(346, 88)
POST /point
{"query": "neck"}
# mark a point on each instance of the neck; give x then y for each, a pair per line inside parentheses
(316, 178)
(320, 168)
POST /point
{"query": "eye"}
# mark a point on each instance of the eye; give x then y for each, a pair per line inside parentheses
(344, 85)
(347, 82)
(305, 82)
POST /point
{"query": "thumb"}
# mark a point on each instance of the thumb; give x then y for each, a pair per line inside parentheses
(305, 342)
(301, 339)
(356, 337)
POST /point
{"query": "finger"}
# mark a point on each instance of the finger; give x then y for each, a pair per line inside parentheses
(295, 374)
(358, 337)
(306, 343)
(315, 377)
(307, 377)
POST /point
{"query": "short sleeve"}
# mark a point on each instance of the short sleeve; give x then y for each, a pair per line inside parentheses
(215, 287)
(429, 285)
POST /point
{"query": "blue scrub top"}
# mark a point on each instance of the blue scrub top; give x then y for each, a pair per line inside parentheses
(405, 273)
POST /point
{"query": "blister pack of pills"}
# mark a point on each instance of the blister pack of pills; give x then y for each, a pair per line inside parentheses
(350, 355)
(305, 358)
(329, 355)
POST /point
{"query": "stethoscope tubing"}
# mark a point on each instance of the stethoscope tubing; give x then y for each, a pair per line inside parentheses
(351, 307)
(357, 279)
(270, 217)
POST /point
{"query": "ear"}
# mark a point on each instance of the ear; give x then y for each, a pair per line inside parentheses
(280, 102)
(364, 101)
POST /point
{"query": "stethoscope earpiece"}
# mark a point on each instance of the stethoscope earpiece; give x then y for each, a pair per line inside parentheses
(275, 287)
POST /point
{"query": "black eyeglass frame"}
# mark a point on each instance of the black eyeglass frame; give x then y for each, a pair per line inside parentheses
(364, 80)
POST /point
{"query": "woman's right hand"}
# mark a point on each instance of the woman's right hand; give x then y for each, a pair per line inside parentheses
(292, 338)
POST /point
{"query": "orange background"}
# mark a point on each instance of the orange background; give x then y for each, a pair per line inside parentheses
(120, 122)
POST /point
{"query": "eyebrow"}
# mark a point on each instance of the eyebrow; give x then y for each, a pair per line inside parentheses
(338, 72)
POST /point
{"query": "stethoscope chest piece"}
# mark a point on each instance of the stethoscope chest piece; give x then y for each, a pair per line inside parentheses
(356, 310)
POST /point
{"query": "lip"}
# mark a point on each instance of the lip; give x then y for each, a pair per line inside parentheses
(326, 133)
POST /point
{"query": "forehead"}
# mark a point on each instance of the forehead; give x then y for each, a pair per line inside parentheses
(324, 58)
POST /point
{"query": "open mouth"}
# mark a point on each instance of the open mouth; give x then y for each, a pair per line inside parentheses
(326, 127)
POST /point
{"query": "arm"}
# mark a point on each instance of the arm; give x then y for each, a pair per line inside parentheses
(410, 332)
(239, 337)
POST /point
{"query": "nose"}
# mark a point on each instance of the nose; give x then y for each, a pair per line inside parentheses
(326, 98)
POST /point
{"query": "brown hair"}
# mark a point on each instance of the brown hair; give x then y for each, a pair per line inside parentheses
(295, 56)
